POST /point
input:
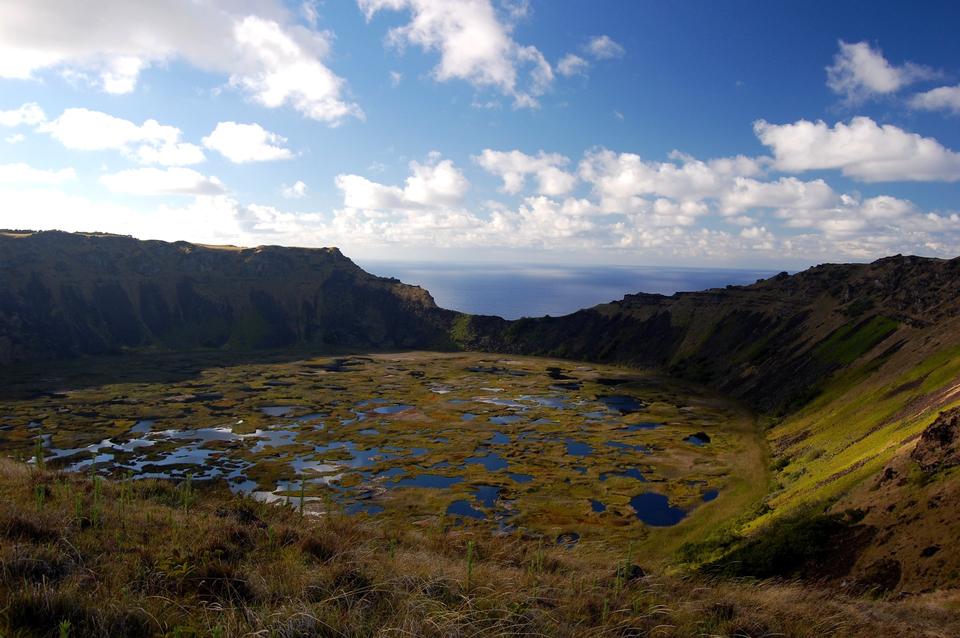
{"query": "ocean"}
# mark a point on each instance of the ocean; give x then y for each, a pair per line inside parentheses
(514, 291)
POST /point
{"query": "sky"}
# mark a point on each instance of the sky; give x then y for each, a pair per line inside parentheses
(681, 133)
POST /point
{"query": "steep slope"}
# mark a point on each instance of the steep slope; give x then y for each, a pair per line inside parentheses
(847, 365)
(65, 294)
(771, 343)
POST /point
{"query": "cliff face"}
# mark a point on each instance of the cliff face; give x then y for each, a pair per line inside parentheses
(771, 343)
(65, 294)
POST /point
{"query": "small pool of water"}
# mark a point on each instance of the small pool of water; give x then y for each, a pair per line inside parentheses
(492, 462)
(278, 410)
(370, 509)
(710, 495)
(273, 438)
(506, 419)
(578, 448)
(622, 403)
(655, 510)
(699, 439)
(597, 506)
(392, 409)
(519, 477)
(642, 425)
(487, 495)
(632, 472)
(545, 401)
(499, 438)
(142, 427)
(568, 540)
(462, 507)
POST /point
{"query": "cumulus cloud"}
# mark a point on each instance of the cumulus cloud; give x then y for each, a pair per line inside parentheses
(174, 180)
(243, 143)
(513, 167)
(148, 143)
(295, 191)
(621, 181)
(474, 44)
(943, 98)
(20, 173)
(860, 71)
(603, 47)
(572, 64)
(255, 44)
(435, 184)
(787, 192)
(29, 114)
(861, 149)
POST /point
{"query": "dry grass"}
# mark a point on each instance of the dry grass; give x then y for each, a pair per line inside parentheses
(148, 558)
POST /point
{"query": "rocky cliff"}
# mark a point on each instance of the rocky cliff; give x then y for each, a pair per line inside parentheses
(64, 294)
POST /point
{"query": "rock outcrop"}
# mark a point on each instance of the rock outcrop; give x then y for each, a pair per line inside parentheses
(939, 445)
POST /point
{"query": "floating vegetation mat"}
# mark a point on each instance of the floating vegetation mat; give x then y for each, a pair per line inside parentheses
(473, 439)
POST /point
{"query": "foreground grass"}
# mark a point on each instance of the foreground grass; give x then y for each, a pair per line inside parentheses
(82, 556)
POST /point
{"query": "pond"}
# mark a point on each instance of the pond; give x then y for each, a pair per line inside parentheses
(655, 510)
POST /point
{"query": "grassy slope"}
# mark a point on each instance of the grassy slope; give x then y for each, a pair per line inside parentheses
(829, 455)
(149, 558)
(863, 416)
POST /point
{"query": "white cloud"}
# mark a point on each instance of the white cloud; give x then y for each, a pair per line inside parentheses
(436, 184)
(944, 98)
(514, 166)
(295, 191)
(21, 173)
(787, 192)
(242, 143)
(253, 43)
(280, 69)
(572, 64)
(474, 45)
(395, 78)
(16, 138)
(621, 180)
(175, 180)
(29, 114)
(861, 149)
(148, 143)
(859, 71)
(603, 47)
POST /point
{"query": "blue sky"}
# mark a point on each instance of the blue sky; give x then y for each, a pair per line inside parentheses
(769, 134)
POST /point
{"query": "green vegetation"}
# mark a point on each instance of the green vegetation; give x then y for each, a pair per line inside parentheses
(848, 343)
